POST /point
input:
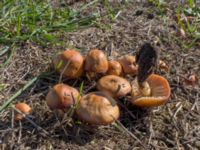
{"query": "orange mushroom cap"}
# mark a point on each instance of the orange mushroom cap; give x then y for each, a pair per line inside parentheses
(114, 68)
(114, 86)
(62, 96)
(128, 64)
(24, 108)
(98, 108)
(70, 62)
(96, 62)
(159, 94)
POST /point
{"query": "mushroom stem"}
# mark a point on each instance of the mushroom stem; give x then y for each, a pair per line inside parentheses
(144, 88)
(141, 88)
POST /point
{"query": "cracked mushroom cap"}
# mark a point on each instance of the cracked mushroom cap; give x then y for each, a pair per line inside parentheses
(128, 63)
(158, 94)
(114, 68)
(98, 108)
(96, 61)
(62, 96)
(70, 62)
(24, 108)
(114, 86)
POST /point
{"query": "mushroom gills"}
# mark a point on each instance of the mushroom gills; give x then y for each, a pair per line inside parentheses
(160, 92)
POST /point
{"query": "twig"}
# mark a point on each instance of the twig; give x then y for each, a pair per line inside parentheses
(130, 113)
(87, 5)
(151, 133)
(12, 124)
(91, 87)
(179, 108)
(61, 74)
(20, 132)
(61, 125)
(29, 120)
(131, 134)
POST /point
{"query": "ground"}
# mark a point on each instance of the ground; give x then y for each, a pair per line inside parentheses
(175, 125)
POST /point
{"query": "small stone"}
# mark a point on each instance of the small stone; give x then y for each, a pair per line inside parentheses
(150, 16)
(138, 12)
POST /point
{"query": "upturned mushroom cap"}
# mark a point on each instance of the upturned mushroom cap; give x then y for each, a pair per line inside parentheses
(114, 68)
(62, 96)
(96, 61)
(159, 92)
(114, 86)
(98, 108)
(128, 64)
(70, 62)
(24, 108)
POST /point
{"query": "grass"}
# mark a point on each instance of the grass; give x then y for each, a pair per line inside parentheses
(12, 98)
(188, 20)
(41, 22)
(36, 20)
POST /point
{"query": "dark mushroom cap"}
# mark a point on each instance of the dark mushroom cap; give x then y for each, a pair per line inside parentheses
(114, 86)
(159, 95)
(98, 108)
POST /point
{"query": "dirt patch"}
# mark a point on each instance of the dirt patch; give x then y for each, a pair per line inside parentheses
(173, 126)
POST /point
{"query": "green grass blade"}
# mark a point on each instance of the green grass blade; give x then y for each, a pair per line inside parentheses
(10, 55)
(4, 50)
(12, 98)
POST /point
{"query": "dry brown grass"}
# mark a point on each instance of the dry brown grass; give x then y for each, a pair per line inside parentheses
(175, 125)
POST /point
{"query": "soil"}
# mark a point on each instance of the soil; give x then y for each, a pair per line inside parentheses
(175, 125)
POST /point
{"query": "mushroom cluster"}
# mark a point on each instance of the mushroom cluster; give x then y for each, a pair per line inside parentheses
(100, 107)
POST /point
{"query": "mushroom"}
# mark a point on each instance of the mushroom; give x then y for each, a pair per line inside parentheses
(114, 68)
(128, 64)
(97, 108)
(149, 89)
(24, 108)
(62, 96)
(156, 91)
(70, 63)
(96, 63)
(114, 86)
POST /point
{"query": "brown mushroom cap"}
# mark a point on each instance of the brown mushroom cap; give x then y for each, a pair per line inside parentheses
(71, 62)
(24, 108)
(96, 61)
(160, 92)
(114, 86)
(128, 64)
(114, 68)
(62, 96)
(98, 108)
